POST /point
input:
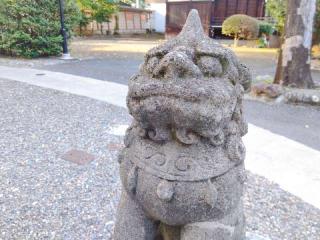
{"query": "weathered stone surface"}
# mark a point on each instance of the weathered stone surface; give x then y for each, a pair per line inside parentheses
(207, 231)
(182, 164)
(270, 90)
(306, 96)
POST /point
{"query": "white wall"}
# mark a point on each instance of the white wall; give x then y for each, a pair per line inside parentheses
(158, 16)
(132, 23)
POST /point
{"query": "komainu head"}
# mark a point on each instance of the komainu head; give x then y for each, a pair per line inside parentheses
(189, 89)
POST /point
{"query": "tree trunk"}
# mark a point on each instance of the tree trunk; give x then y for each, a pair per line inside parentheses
(116, 27)
(278, 75)
(236, 41)
(296, 49)
(101, 28)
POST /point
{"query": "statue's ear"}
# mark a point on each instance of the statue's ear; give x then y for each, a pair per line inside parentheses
(245, 77)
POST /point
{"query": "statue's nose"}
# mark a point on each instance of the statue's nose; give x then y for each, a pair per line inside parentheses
(177, 64)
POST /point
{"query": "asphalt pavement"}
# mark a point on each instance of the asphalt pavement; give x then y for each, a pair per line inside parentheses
(299, 123)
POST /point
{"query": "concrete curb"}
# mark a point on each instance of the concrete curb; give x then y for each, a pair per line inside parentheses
(110, 92)
(304, 96)
(275, 93)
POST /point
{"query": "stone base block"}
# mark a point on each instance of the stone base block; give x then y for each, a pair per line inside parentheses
(209, 231)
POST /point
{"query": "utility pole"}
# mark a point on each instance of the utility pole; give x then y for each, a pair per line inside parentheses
(65, 53)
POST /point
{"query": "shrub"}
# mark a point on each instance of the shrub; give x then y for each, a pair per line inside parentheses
(265, 28)
(31, 28)
(240, 26)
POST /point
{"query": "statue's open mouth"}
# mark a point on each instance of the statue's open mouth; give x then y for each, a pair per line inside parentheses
(192, 89)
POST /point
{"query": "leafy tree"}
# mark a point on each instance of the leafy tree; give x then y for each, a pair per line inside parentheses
(240, 26)
(100, 10)
(103, 10)
(84, 21)
(277, 9)
(31, 28)
(142, 3)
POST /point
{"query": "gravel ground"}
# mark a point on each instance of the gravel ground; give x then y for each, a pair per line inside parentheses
(45, 197)
(273, 212)
(41, 195)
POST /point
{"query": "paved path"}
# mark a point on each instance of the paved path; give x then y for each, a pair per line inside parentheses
(104, 60)
(43, 196)
(280, 119)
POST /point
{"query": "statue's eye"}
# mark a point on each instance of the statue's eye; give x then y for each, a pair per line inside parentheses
(210, 66)
(151, 64)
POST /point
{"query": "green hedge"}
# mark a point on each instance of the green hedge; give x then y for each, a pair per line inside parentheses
(31, 28)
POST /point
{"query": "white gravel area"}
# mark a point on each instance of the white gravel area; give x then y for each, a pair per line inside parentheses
(45, 197)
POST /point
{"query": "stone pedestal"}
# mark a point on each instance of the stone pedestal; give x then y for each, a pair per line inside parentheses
(182, 167)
